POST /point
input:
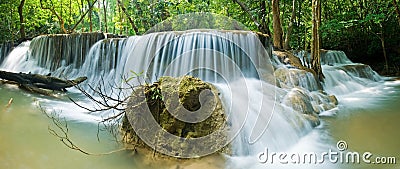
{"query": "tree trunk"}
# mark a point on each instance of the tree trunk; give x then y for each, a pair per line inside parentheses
(264, 28)
(105, 15)
(384, 54)
(99, 12)
(315, 39)
(382, 38)
(120, 18)
(397, 10)
(36, 83)
(90, 17)
(290, 27)
(278, 33)
(70, 13)
(81, 12)
(12, 25)
(21, 19)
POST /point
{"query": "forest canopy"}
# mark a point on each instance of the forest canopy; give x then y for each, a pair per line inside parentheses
(367, 30)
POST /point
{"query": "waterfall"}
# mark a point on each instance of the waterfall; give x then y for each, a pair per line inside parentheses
(205, 54)
(57, 51)
(268, 102)
(334, 57)
(342, 76)
(16, 60)
(235, 61)
(5, 49)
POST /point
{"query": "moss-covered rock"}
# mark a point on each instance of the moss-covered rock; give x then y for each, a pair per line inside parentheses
(166, 111)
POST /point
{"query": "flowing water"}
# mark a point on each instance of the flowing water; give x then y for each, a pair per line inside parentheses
(366, 117)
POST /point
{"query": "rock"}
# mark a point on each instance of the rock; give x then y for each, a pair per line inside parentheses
(322, 101)
(288, 58)
(333, 99)
(313, 120)
(159, 98)
(289, 78)
(300, 101)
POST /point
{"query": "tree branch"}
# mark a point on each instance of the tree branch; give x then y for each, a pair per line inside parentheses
(83, 16)
(246, 9)
(63, 135)
(129, 17)
(54, 12)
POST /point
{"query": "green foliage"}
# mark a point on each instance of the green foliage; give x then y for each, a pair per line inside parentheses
(358, 29)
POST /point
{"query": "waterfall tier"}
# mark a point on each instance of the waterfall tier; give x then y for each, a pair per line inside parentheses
(342, 76)
(5, 49)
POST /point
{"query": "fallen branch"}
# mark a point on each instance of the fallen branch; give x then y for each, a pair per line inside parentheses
(38, 83)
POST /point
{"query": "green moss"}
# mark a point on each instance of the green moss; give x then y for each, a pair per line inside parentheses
(188, 89)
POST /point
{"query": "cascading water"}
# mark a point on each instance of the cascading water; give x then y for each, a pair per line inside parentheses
(342, 76)
(222, 57)
(16, 60)
(232, 60)
(5, 49)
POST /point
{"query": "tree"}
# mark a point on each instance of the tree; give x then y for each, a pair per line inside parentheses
(262, 23)
(286, 45)
(134, 27)
(277, 26)
(90, 17)
(54, 12)
(315, 39)
(105, 14)
(21, 19)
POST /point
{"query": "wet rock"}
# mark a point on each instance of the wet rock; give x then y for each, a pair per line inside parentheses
(300, 101)
(290, 78)
(194, 95)
(333, 99)
(288, 58)
(313, 120)
(322, 101)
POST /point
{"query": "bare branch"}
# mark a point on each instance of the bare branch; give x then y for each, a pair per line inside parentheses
(83, 16)
(247, 10)
(63, 136)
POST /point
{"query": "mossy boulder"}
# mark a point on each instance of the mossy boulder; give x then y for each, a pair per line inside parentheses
(194, 95)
